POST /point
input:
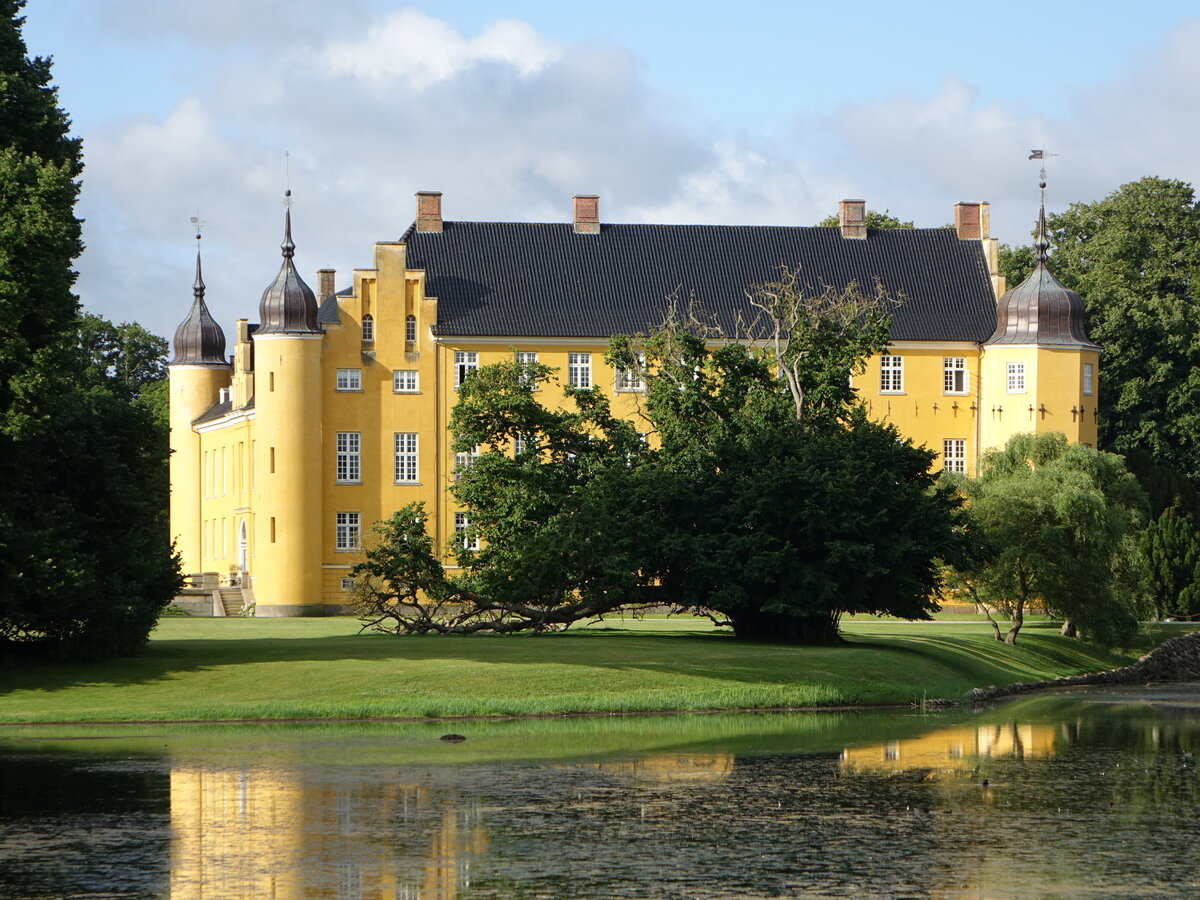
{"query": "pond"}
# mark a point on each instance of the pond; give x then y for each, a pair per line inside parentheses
(1075, 794)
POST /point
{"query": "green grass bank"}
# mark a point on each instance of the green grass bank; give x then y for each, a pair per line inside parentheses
(223, 669)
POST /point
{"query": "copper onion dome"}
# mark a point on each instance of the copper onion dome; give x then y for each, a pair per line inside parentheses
(199, 340)
(288, 306)
(1041, 309)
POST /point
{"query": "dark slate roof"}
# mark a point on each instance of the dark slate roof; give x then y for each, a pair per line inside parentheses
(217, 410)
(543, 280)
(327, 312)
(1041, 310)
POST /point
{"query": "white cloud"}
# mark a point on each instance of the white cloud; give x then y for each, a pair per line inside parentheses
(509, 124)
(418, 50)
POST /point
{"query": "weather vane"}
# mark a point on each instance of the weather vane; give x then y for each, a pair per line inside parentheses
(287, 178)
(1041, 155)
(197, 224)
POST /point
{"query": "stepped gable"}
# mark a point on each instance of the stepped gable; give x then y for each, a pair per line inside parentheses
(548, 280)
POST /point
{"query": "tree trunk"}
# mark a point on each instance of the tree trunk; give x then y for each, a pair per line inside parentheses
(1069, 629)
(818, 630)
(995, 625)
(1018, 620)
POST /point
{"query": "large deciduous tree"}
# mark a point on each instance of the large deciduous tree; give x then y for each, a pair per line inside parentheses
(1134, 257)
(762, 497)
(85, 560)
(1056, 517)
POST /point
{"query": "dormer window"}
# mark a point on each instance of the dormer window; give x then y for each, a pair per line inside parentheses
(410, 329)
(368, 329)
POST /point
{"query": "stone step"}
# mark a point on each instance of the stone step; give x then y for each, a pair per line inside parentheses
(232, 600)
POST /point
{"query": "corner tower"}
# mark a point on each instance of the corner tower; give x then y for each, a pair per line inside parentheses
(197, 373)
(1040, 369)
(288, 511)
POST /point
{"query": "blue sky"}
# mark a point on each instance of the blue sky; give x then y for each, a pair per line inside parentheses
(753, 112)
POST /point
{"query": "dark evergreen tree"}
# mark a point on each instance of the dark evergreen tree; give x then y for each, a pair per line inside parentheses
(1170, 556)
(85, 559)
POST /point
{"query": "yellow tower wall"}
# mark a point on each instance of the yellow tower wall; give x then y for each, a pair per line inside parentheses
(193, 389)
(287, 574)
(1052, 399)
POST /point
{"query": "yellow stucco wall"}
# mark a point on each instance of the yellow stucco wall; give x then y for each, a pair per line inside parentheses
(193, 389)
(923, 409)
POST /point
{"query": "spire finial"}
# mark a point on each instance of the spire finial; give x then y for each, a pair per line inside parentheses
(1041, 245)
(288, 247)
(198, 284)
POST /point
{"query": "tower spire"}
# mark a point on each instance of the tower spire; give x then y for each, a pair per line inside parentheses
(1041, 245)
(288, 246)
(198, 284)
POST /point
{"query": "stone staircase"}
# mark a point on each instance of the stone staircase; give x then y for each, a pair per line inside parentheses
(231, 600)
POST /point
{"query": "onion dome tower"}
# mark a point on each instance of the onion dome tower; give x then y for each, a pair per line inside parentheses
(199, 340)
(288, 305)
(1041, 309)
(287, 423)
(197, 375)
(1039, 367)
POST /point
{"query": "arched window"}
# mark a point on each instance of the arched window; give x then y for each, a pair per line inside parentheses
(368, 325)
(410, 328)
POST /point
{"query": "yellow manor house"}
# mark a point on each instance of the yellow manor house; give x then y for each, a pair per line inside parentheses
(332, 410)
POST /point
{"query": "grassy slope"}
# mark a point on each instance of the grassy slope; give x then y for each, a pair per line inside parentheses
(206, 669)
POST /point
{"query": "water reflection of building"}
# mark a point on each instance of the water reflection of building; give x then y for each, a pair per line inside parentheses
(950, 750)
(283, 834)
(672, 768)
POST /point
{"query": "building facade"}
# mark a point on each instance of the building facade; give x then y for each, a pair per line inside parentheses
(331, 411)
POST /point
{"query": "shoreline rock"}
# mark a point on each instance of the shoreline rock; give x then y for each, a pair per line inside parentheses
(1175, 659)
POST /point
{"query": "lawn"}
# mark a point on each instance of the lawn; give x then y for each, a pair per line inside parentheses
(220, 669)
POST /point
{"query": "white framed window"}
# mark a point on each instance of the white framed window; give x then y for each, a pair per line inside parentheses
(954, 374)
(349, 379)
(347, 532)
(404, 381)
(410, 328)
(526, 358)
(464, 461)
(466, 362)
(891, 374)
(406, 457)
(523, 443)
(954, 455)
(462, 522)
(1016, 378)
(631, 380)
(368, 328)
(1089, 384)
(579, 370)
(347, 584)
(348, 469)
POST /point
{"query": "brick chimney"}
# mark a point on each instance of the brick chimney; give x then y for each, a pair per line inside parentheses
(325, 283)
(972, 221)
(587, 213)
(852, 219)
(429, 211)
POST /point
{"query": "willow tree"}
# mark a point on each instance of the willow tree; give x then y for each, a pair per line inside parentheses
(1056, 516)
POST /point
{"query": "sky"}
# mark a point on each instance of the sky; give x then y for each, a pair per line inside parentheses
(673, 112)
